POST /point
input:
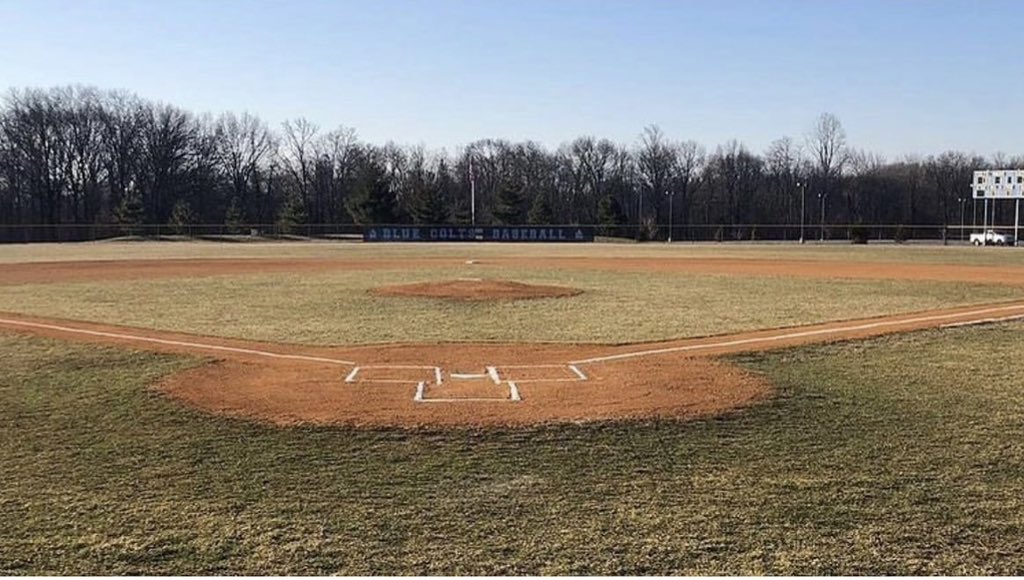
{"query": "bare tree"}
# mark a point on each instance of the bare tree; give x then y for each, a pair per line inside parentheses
(246, 147)
(784, 163)
(827, 144)
(337, 169)
(167, 137)
(655, 161)
(950, 174)
(734, 177)
(299, 156)
(689, 159)
(587, 162)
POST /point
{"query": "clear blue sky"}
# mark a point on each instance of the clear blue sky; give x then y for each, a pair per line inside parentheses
(904, 76)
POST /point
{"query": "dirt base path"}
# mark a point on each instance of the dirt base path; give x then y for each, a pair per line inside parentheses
(428, 385)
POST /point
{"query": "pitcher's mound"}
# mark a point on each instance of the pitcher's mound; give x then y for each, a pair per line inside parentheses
(476, 290)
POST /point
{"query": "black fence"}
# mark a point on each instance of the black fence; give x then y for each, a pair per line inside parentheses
(626, 233)
(219, 232)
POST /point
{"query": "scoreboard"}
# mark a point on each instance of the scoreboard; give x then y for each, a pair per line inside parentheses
(998, 184)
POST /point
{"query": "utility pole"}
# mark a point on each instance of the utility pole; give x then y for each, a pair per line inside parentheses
(984, 225)
(802, 187)
(961, 201)
(670, 196)
(1016, 223)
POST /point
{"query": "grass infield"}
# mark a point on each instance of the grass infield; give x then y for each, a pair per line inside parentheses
(900, 455)
(883, 253)
(628, 307)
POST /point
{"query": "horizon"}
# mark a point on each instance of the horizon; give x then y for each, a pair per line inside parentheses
(549, 72)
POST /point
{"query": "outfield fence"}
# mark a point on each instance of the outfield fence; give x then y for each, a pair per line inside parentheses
(850, 233)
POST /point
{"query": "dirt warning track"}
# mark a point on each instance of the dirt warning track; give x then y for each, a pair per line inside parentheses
(422, 385)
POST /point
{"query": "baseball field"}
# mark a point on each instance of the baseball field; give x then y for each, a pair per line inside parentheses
(347, 408)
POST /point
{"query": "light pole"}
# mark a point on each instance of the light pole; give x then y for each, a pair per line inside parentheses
(670, 196)
(961, 201)
(803, 203)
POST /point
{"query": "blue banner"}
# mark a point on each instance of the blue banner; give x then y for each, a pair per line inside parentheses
(532, 234)
(538, 234)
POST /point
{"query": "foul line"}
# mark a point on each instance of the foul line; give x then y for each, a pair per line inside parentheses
(806, 333)
(176, 342)
(984, 321)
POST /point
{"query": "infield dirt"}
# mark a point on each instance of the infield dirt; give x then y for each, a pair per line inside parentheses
(476, 290)
(288, 384)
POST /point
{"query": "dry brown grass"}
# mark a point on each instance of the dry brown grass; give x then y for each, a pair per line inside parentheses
(338, 307)
(901, 455)
(926, 254)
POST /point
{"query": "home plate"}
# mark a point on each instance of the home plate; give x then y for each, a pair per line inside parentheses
(468, 388)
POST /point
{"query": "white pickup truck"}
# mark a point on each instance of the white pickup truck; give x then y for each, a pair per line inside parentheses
(991, 237)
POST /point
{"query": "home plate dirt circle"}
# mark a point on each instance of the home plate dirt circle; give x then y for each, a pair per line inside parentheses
(475, 290)
(477, 385)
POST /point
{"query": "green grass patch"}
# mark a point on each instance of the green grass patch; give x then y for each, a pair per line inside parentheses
(337, 307)
(901, 455)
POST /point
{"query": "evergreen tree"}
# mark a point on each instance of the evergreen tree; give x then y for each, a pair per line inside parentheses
(541, 212)
(456, 199)
(461, 212)
(292, 213)
(371, 202)
(182, 217)
(427, 204)
(233, 219)
(610, 215)
(129, 212)
(509, 207)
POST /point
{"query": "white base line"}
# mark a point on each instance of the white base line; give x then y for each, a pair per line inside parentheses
(385, 382)
(465, 401)
(547, 366)
(177, 343)
(983, 321)
(397, 367)
(819, 332)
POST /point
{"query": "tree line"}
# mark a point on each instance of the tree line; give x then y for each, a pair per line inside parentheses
(81, 155)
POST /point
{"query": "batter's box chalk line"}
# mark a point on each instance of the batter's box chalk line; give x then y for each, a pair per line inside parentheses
(387, 374)
(572, 374)
(513, 396)
(358, 374)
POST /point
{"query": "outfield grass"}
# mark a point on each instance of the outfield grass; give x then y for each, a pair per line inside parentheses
(901, 455)
(337, 308)
(885, 253)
